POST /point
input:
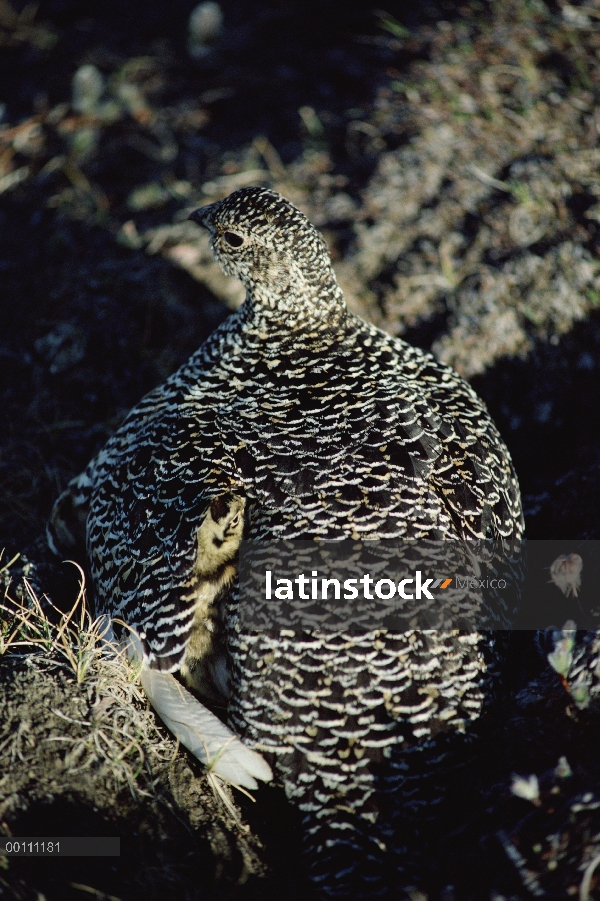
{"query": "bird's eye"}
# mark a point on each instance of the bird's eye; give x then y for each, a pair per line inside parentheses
(232, 239)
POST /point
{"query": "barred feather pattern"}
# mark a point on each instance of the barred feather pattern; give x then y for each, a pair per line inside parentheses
(328, 427)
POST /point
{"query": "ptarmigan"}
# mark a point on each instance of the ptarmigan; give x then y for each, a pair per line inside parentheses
(321, 425)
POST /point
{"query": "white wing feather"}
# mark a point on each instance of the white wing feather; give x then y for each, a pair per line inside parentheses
(202, 733)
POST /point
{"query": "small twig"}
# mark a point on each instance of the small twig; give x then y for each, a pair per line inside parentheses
(101, 896)
(271, 157)
(216, 783)
(10, 562)
(63, 716)
(490, 180)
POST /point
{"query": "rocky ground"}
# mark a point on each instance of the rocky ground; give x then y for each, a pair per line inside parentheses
(449, 153)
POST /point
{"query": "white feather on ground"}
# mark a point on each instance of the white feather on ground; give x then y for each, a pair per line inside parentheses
(202, 733)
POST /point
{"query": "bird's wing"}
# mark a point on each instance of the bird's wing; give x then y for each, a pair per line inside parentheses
(145, 514)
(143, 533)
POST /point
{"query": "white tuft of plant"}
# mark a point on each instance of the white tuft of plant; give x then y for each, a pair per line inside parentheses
(565, 572)
(526, 788)
(561, 658)
(204, 27)
(87, 88)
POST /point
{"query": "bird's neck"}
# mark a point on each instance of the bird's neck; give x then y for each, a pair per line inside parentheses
(297, 300)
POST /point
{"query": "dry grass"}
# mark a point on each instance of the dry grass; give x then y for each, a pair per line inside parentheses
(77, 735)
(119, 734)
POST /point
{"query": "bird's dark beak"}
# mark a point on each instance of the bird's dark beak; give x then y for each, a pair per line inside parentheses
(203, 215)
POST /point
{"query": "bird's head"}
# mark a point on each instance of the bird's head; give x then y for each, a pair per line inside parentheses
(278, 255)
(221, 531)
